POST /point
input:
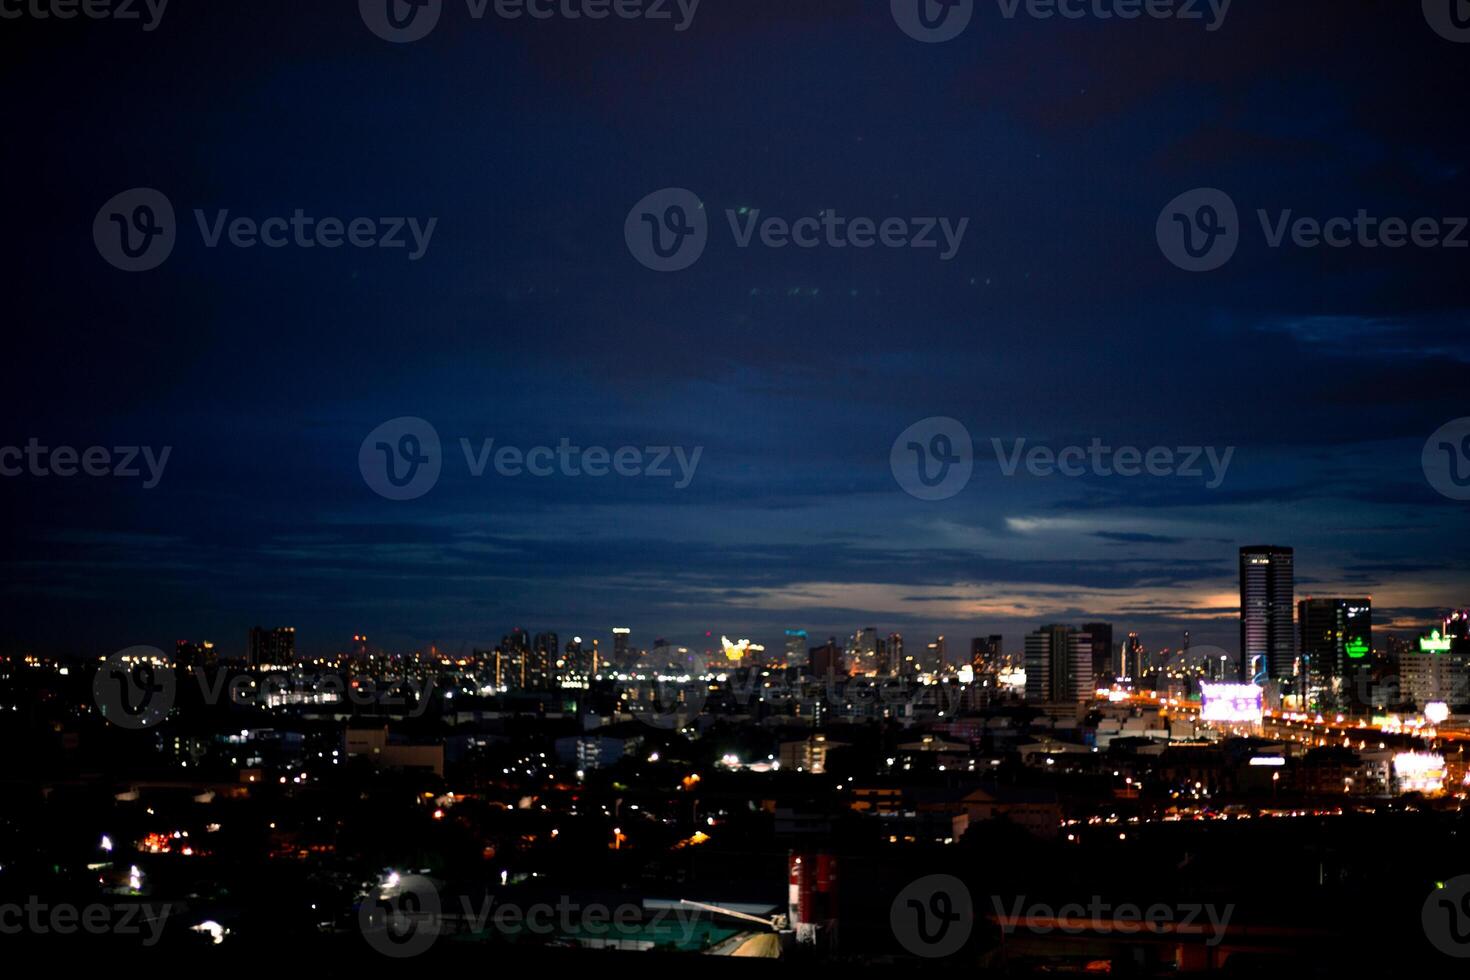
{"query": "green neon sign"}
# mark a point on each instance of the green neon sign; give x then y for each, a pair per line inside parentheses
(1357, 648)
(1434, 643)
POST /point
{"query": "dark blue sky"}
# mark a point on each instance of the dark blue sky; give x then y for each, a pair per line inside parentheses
(527, 320)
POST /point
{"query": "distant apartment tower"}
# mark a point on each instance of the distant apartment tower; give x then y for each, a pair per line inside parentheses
(826, 660)
(1337, 653)
(1437, 667)
(1267, 604)
(985, 652)
(579, 660)
(541, 668)
(1131, 657)
(512, 657)
(1058, 665)
(865, 651)
(622, 656)
(796, 648)
(271, 647)
(894, 664)
(935, 658)
(1102, 650)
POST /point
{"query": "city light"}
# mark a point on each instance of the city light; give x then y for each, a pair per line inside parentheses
(1231, 703)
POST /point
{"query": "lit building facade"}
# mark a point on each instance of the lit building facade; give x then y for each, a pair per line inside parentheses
(1058, 665)
(1267, 601)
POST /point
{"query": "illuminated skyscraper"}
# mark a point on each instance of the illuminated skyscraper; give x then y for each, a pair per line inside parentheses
(985, 652)
(796, 648)
(622, 657)
(865, 651)
(1058, 665)
(274, 647)
(512, 657)
(936, 660)
(1437, 666)
(572, 666)
(1337, 653)
(1267, 601)
(1102, 649)
(1132, 657)
(893, 656)
(541, 669)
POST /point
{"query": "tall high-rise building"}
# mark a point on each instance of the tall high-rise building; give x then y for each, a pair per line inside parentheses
(1437, 667)
(796, 648)
(936, 659)
(826, 660)
(985, 652)
(1337, 653)
(895, 663)
(512, 658)
(1058, 665)
(1267, 604)
(1457, 628)
(1102, 650)
(273, 647)
(621, 655)
(865, 651)
(1132, 658)
(573, 666)
(541, 667)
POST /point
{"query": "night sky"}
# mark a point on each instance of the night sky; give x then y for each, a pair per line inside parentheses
(528, 320)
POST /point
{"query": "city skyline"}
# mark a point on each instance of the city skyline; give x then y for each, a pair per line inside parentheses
(528, 322)
(771, 629)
